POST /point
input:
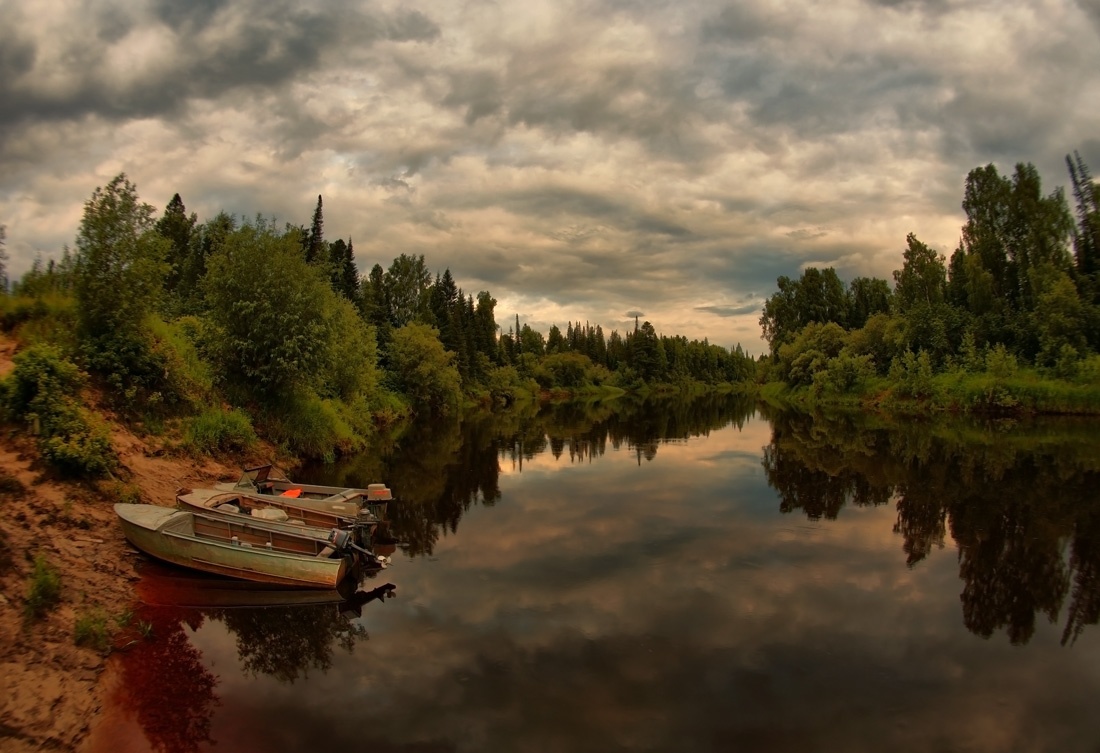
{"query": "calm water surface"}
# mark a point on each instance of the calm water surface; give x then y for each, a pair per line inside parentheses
(673, 577)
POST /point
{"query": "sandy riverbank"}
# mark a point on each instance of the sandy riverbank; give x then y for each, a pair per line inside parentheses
(50, 690)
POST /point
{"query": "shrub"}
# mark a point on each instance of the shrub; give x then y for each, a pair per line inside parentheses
(310, 426)
(810, 352)
(42, 375)
(44, 391)
(45, 588)
(912, 375)
(502, 382)
(1001, 363)
(568, 370)
(1088, 371)
(218, 430)
(118, 492)
(188, 379)
(77, 443)
(49, 317)
(843, 374)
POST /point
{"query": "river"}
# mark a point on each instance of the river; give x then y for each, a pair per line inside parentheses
(671, 575)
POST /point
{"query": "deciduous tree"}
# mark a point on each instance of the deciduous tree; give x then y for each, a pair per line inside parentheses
(119, 274)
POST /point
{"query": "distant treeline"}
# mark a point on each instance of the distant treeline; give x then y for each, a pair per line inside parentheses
(234, 324)
(1011, 321)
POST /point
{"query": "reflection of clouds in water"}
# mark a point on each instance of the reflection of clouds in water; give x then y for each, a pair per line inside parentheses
(669, 607)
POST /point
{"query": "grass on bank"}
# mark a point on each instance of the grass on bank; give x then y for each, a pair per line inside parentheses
(44, 590)
(91, 631)
(1020, 391)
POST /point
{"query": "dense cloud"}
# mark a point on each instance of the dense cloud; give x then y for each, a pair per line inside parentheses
(576, 160)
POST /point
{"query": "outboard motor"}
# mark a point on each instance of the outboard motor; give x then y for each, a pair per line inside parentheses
(378, 493)
(340, 539)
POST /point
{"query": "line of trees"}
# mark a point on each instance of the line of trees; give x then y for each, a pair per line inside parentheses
(1022, 289)
(173, 313)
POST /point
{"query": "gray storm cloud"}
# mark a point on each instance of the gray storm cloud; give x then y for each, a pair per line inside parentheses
(574, 159)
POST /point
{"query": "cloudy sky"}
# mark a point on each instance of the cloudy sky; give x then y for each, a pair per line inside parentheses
(582, 160)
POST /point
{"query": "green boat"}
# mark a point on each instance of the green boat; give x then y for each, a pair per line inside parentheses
(247, 550)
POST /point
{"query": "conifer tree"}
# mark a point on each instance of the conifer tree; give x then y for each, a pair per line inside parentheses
(486, 326)
(315, 243)
(343, 273)
(177, 228)
(554, 341)
(350, 281)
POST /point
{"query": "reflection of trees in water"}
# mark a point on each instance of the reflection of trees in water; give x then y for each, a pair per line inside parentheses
(165, 685)
(171, 693)
(1084, 562)
(1013, 503)
(439, 470)
(286, 642)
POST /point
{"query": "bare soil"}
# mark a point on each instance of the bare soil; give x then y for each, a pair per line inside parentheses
(50, 690)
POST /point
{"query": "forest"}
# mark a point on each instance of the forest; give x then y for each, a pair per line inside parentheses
(230, 329)
(236, 328)
(1010, 323)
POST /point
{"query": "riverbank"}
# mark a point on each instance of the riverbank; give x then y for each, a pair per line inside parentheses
(1024, 393)
(49, 685)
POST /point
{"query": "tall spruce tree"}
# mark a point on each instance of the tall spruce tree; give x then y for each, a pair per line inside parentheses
(177, 228)
(350, 277)
(315, 240)
(343, 274)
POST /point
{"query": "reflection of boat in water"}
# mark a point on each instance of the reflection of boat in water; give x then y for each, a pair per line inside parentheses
(162, 585)
(251, 550)
(325, 506)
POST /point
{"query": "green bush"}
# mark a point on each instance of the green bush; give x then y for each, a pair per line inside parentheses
(310, 426)
(844, 374)
(912, 375)
(1088, 371)
(188, 379)
(77, 442)
(502, 383)
(47, 318)
(1001, 363)
(218, 430)
(810, 352)
(42, 375)
(44, 390)
(45, 588)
